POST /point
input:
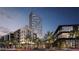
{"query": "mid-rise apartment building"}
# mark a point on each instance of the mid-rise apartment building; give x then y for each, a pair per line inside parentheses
(17, 35)
(24, 34)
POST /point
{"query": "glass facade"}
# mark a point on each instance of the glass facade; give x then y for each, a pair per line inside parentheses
(69, 43)
(70, 33)
(64, 29)
(67, 28)
(64, 35)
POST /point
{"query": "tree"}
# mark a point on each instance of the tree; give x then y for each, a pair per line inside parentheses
(49, 38)
(74, 34)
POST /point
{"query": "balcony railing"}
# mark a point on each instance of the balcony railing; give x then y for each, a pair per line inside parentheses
(68, 36)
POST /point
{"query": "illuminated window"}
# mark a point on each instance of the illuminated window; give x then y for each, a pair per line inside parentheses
(64, 35)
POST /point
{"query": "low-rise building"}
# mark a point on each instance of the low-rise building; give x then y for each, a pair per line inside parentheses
(67, 36)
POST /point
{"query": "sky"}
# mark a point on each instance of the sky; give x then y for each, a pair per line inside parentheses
(13, 18)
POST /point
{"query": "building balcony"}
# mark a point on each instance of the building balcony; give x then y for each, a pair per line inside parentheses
(67, 37)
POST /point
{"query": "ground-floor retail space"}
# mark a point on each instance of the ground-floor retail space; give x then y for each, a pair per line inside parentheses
(67, 43)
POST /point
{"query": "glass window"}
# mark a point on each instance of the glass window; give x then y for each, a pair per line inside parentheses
(69, 28)
(73, 43)
(78, 27)
(64, 35)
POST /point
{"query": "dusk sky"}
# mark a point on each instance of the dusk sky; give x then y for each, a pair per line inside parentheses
(15, 18)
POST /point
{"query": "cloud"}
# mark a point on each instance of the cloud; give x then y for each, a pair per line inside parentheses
(9, 13)
(11, 18)
(4, 14)
(3, 31)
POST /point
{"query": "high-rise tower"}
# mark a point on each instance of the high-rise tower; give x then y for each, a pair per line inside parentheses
(35, 23)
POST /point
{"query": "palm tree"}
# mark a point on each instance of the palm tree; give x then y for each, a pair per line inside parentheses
(37, 42)
(49, 38)
(77, 34)
(2, 42)
(15, 42)
(71, 34)
(74, 34)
